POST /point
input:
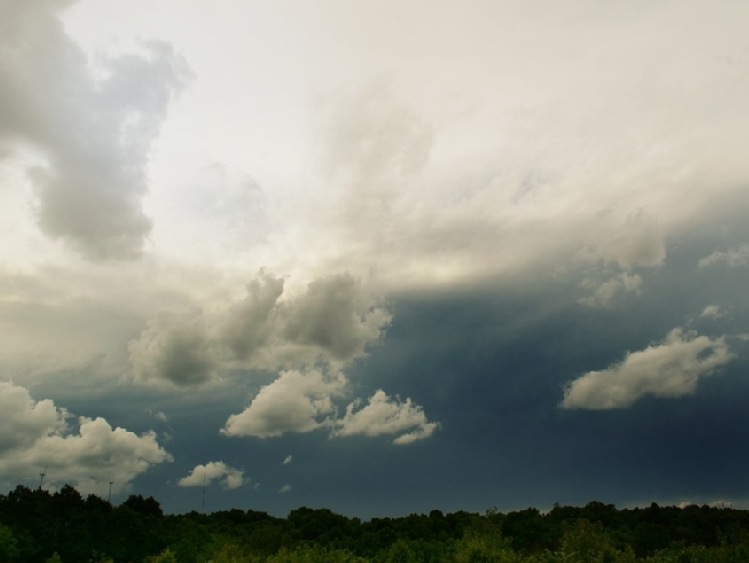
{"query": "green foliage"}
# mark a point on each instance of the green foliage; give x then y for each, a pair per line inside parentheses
(8, 545)
(39, 527)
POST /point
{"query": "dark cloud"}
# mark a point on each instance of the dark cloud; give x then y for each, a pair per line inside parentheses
(93, 136)
(174, 349)
(249, 324)
(334, 316)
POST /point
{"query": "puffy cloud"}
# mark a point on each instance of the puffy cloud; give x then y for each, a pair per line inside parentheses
(384, 415)
(35, 434)
(712, 312)
(733, 257)
(249, 324)
(92, 134)
(332, 322)
(174, 349)
(295, 402)
(333, 317)
(229, 477)
(669, 369)
(285, 489)
(607, 292)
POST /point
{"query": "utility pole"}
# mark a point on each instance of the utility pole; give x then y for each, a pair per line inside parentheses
(41, 478)
(109, 497)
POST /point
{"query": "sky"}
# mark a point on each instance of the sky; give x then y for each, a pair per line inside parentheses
(381, 257)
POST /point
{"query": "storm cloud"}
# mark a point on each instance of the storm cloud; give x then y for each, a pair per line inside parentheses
(90, 131)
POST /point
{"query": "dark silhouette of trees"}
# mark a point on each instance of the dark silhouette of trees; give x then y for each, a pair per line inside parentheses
(63, 527)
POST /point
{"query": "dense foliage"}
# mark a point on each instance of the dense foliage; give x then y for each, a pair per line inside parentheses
(39, 526)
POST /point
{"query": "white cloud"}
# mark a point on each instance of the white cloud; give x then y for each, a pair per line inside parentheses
(669, 369)
(609, 291)
(285, 489)
(385, 415)
(295, 402)
(288, 459)
(712, 312)
(36, 435)
(733, 257)
(229, 477)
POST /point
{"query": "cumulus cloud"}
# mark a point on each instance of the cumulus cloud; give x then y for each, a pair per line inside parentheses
(93, 134)
(36, 434)
(386, 415)
(249, 324)
(333, 321)
(295, 402)
(712, 312)
(333, 317)
(228, 477)
(174, 349)
(607, 292)
(669, 369)
(733, 257)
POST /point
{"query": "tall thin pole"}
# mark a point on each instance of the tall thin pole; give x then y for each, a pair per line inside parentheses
(41, 478)
(109, 497)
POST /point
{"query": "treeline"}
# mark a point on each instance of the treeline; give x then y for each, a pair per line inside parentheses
(39, 526)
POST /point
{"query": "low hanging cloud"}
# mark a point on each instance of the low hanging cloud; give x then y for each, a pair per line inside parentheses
(385, 415)
(295, 402)
(733, 257)
(334, 317)
(36, 435)
(333, 322)
(250, 323)
(303, 402)
(93, 135)
(669, 369)
(174, 349)
(609, 291)
(228, 477)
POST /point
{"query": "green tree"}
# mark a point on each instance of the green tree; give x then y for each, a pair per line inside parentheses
(8, 545)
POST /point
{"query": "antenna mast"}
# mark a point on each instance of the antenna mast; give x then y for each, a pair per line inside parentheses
(41, 478)
(109, 498)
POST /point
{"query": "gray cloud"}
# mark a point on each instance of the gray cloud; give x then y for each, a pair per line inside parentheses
(174, 349)
(733, 257)
(93, 136)
(249, 324)
(669, 369)
(607, 292)
(334, 316)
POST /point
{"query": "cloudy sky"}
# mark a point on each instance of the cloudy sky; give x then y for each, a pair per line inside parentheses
(381, 257)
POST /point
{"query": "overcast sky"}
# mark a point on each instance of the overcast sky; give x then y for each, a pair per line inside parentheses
(380, 257)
